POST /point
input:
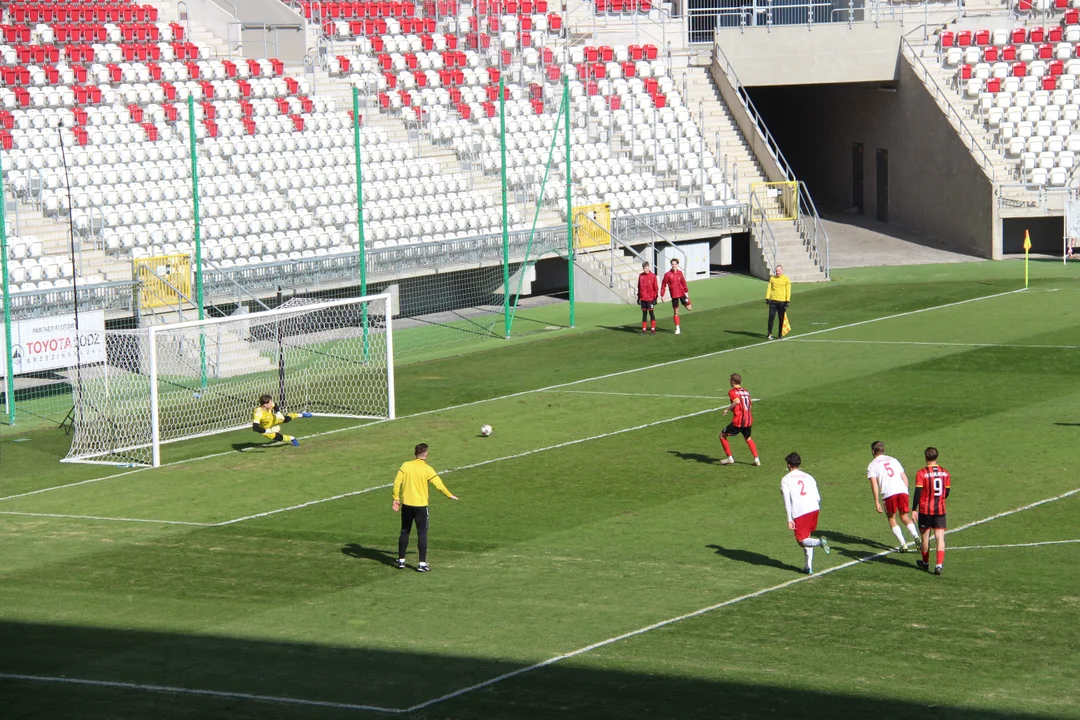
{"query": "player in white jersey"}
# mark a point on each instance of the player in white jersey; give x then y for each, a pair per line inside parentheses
(802, 502)
(889, 483)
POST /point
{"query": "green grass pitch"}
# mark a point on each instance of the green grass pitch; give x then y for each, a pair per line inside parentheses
(215, 587)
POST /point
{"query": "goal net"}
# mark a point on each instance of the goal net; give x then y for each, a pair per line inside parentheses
(175, 382)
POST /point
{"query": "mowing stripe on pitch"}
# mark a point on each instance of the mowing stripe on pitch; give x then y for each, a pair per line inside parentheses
(938, 344)
(711, 608)
(568, 443)
(654, 395)
(114, 519)
(548, 388)
(514, 673)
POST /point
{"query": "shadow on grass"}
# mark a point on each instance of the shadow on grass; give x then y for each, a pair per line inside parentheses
(747, 333)
(695, 457)
(752, 558)
(1068, 424)
(848, 539)
(632, 329)
(367, 553)
(245, 446)
(171, 676)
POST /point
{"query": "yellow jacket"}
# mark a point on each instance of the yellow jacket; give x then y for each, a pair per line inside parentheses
(411, 483)
(779, 289)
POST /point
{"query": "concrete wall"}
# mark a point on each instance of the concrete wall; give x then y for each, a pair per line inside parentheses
(826, 53)
(291, 44)
(935, 187)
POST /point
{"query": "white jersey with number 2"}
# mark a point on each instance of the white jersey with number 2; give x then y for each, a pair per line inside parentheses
(800, 494)
(889, 473)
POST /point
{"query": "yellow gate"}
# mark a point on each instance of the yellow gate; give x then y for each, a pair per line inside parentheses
(595, 233)
(164, 281)
(776, 200)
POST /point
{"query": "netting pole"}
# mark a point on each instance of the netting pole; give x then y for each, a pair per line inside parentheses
(569, 200)
(197, 233)
(362, 258)
(155, 410)
(505, 210)
(9, 361)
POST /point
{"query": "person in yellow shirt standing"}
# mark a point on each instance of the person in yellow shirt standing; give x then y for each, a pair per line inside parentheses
(778, 296)
(411, 500)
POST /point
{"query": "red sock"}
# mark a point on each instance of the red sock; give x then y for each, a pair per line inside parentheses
(926, 555)
(752, 446)
(654, 325)
(727, 446)
(643, 326)
(940, 557)
(676, 321)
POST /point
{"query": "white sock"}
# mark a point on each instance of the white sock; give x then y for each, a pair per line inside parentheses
(810, 542)
(809, 557)
(898, 533)
(914, 533)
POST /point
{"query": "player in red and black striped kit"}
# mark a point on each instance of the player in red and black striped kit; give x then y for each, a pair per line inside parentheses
(742, 420)
(675, 280)
(646, 295)
(932, 486)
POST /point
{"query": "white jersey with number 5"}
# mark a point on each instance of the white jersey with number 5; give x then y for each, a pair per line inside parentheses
(800, 494)
(889, 473)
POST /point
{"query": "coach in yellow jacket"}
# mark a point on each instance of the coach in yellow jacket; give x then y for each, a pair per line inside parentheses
(411, 499)
(778, 296)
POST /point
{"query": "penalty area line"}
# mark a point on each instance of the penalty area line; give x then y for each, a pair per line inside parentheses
(1019, 346)
(196, 691)
(1012, 545)
(549, 388)
(113, 519)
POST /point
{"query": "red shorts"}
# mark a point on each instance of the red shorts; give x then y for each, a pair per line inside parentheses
(897, 503)
(804, 525)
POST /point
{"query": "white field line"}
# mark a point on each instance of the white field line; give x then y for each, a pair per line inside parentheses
(940, 344)
(1013, 545)
(549, 388)
(514, 673)
(515, 456)
(703, 611)
(114, 519)
(194, 691)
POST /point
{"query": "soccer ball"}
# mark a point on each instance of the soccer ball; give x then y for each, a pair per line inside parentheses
(485, 430)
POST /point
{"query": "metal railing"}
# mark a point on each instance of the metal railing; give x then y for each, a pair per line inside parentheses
(641, 227)
(620, 266)
(762, 231)
(1040, 198)
(703, 22)
(943, 101)
(114, 296)
(815, 237)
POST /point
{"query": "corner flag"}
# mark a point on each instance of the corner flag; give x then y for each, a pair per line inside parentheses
(1027, 249)
(787, 326)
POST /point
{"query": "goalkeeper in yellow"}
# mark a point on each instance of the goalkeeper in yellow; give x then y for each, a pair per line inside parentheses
(268, 419)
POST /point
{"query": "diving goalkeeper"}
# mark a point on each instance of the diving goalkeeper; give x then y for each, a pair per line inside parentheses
(268, 419)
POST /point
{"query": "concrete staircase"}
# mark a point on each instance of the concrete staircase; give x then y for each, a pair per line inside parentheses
(54, 236)
(726, 141)
(617, 277)
(168, 11)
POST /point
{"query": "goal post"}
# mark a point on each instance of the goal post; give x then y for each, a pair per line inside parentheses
(176, 382)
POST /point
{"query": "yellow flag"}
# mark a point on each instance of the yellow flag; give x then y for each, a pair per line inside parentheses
(787, 326)
(1027, 241)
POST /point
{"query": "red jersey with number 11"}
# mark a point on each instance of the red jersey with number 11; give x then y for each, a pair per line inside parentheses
(934, 481)
(743, 415)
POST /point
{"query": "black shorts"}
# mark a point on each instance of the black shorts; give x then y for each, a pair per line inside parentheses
(685, 300)
(732, 430)
(931, 522)
(647, 304)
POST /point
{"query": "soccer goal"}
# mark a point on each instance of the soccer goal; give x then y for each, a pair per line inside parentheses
(186, 380)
